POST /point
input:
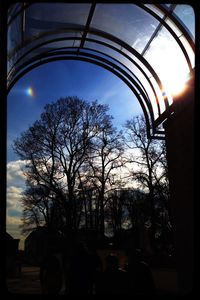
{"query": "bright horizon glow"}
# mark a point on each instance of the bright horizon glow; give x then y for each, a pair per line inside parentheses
(29, 92)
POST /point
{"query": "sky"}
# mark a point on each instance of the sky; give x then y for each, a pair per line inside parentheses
(46, 84)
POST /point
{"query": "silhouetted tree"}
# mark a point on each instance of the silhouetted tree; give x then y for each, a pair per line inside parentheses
(104, 161)
(56, 146)
(41, 207)
(150, 167)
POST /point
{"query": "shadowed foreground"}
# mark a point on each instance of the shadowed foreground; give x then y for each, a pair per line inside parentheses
(29, 282)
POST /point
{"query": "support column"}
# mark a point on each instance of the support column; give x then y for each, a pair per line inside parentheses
(179, 129)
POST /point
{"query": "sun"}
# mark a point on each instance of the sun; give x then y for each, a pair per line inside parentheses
(174, 82)
(170, 66)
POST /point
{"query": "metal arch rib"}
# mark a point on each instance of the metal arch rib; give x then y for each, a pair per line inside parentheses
(47, 55)
(148, 103)
(96, 41)
(88, 59)
(172, 33)
(90, 49)
(119, 42)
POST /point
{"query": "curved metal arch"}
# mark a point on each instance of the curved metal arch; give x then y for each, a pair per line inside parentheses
(78, 57)
(135, 52)
(24, 7)
(101, 43)
(89, 49)
(179, 25)
(159, 6)
(108, 36)
(117, 41)
(104, 54)
(128, 47)
(40, 57)
(172, 33)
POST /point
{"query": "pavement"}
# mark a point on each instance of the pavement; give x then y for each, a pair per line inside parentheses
(29, 282)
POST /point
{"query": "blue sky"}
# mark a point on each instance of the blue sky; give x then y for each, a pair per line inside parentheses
(66, 78)
(50, 82)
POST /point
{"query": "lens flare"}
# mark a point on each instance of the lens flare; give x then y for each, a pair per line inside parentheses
(29, 92)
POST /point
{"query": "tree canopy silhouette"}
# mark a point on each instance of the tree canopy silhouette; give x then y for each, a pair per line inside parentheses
(57, 148)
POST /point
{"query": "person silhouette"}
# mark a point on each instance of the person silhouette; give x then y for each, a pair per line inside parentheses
(113, 280)
(140, 279)
(79, 271)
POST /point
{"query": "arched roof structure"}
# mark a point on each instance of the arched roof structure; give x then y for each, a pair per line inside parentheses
(143, 44)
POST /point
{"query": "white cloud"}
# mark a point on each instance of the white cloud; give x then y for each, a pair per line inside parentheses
(15, 171)
(14, 195)
(13, 221)
(12, 227)
(15, 184)
(15, 187)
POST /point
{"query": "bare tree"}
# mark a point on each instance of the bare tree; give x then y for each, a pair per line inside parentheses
(149, 163)
(56, 147)
(40, 208)
(104, 161)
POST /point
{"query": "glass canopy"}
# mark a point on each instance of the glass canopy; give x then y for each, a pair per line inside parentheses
(150, 47)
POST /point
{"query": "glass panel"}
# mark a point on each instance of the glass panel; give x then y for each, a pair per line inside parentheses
(125, 21)
(46, 38)
(106, 50)
(13, 9)
(54, 46)
(149, 91)
(44, 49)
(60, 12)
(168, 5)
(132, 56)
(173, 27)
(167, 59)
(102, 39)
(159, 95)
(143, 79)
(186, 14)
(76, 43)
(155, 10)
(127, 62)
(14, 34)
(152, 100)
(42, 17)
(189, 50)
(120, 57)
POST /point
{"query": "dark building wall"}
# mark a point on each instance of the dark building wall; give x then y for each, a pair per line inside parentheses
(180, 154)
(12, 260)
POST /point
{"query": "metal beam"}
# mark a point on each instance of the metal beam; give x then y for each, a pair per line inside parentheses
(171, 31)
(157, 30)
(117, 41)
(60, 53)
(98, 42)
(131, 50)
(92, 60)
(24, 7)
(144, 94)
(179, 25)
(87, 25)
